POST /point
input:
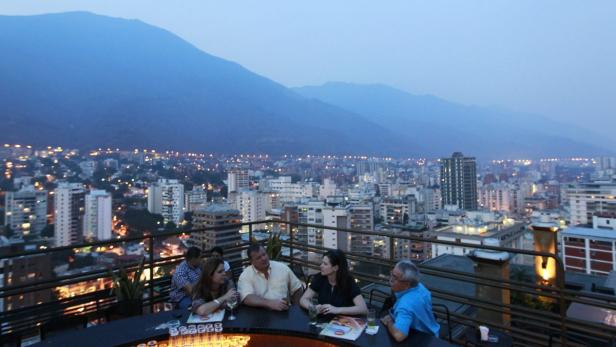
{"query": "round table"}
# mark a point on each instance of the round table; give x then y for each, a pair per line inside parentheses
(292, 323)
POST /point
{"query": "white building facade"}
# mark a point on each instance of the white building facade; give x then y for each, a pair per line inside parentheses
(69, 204)
(166, 197)
(252, 205)
(587, 199)
(98, 215)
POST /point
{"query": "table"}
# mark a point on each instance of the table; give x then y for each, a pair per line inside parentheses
(295, 321)
(472, 339)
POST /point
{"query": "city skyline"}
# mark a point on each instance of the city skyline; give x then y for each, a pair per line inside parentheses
(459, 152)
(109, 208)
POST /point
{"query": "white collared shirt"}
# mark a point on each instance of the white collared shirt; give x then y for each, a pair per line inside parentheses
(281, 283)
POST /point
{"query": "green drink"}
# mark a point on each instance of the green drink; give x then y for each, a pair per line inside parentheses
(371, 319)
(312, 311)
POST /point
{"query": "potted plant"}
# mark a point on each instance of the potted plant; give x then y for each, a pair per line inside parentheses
(273, 245)
(129, 290)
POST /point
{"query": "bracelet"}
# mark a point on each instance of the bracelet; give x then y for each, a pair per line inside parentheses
(217, 301)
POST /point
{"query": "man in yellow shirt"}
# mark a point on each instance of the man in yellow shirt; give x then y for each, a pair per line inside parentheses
(268, 284)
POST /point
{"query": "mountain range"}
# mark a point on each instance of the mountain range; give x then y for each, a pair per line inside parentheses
(442, 125)
(83, 80)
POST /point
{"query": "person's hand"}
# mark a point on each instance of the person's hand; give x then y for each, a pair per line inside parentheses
(387, 320)
(328, 309)
(230, 294)
(278, 305)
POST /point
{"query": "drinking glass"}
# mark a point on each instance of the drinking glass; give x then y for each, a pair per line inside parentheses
(231, 304)
(312, 311)
(371, 318)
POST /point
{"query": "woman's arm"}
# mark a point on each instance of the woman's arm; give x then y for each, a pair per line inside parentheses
(359, 307)
(207, 307)
(305, 300)
(204, 308)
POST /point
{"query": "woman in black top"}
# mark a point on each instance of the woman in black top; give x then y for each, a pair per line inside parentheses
(335, 288)
(213, 288)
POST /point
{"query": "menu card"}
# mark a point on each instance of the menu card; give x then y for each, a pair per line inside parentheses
(217, 316)
(345, 327)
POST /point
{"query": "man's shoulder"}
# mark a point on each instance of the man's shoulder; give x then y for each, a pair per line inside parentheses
(415, 297)
(181, 267)
(274, 264)
(248, 271)
(422, 290)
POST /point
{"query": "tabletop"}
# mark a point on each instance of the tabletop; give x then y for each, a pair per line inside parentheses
(295, 321)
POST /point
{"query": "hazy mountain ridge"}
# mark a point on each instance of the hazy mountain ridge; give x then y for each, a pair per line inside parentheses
(78, 79)
(83, 80)
(447, 126)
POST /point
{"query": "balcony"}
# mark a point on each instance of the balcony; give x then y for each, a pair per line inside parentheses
(507, 297)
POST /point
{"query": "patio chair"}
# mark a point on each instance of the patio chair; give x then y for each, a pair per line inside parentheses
(390, 301)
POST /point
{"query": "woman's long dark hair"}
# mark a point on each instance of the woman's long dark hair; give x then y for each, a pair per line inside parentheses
(343, 278)
(203, 288)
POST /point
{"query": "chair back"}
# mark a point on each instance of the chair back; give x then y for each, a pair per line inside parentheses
(445, 309)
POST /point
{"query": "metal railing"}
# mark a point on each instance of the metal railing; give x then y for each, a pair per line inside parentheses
(527, 324)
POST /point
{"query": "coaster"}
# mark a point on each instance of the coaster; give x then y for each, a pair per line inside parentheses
(372, 330)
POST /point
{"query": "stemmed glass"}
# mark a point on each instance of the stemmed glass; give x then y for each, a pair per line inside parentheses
(231, 304)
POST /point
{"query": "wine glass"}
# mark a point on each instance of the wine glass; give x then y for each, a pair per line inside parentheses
(231, 304)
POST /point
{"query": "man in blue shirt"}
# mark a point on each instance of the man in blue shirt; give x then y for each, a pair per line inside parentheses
(185, 277)
(413, 307)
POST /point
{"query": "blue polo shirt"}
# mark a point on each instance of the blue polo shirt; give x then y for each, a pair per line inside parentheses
(413, 310)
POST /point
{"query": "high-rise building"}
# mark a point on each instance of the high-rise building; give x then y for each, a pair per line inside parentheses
(69, 204)
(219, 216)
(195, 199)
(251, 205)
(606, 163)
(97, 220)
(588, 199)
(432, 199)
(26, 210)
(88, 168)
(403, 249)
(361, 217)
(166, 197)
(237, 179)
(310, 213)
(397, 210)
(328, 188)
(459, 181)
(335, 217)
(498, 197)
(287, 190)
